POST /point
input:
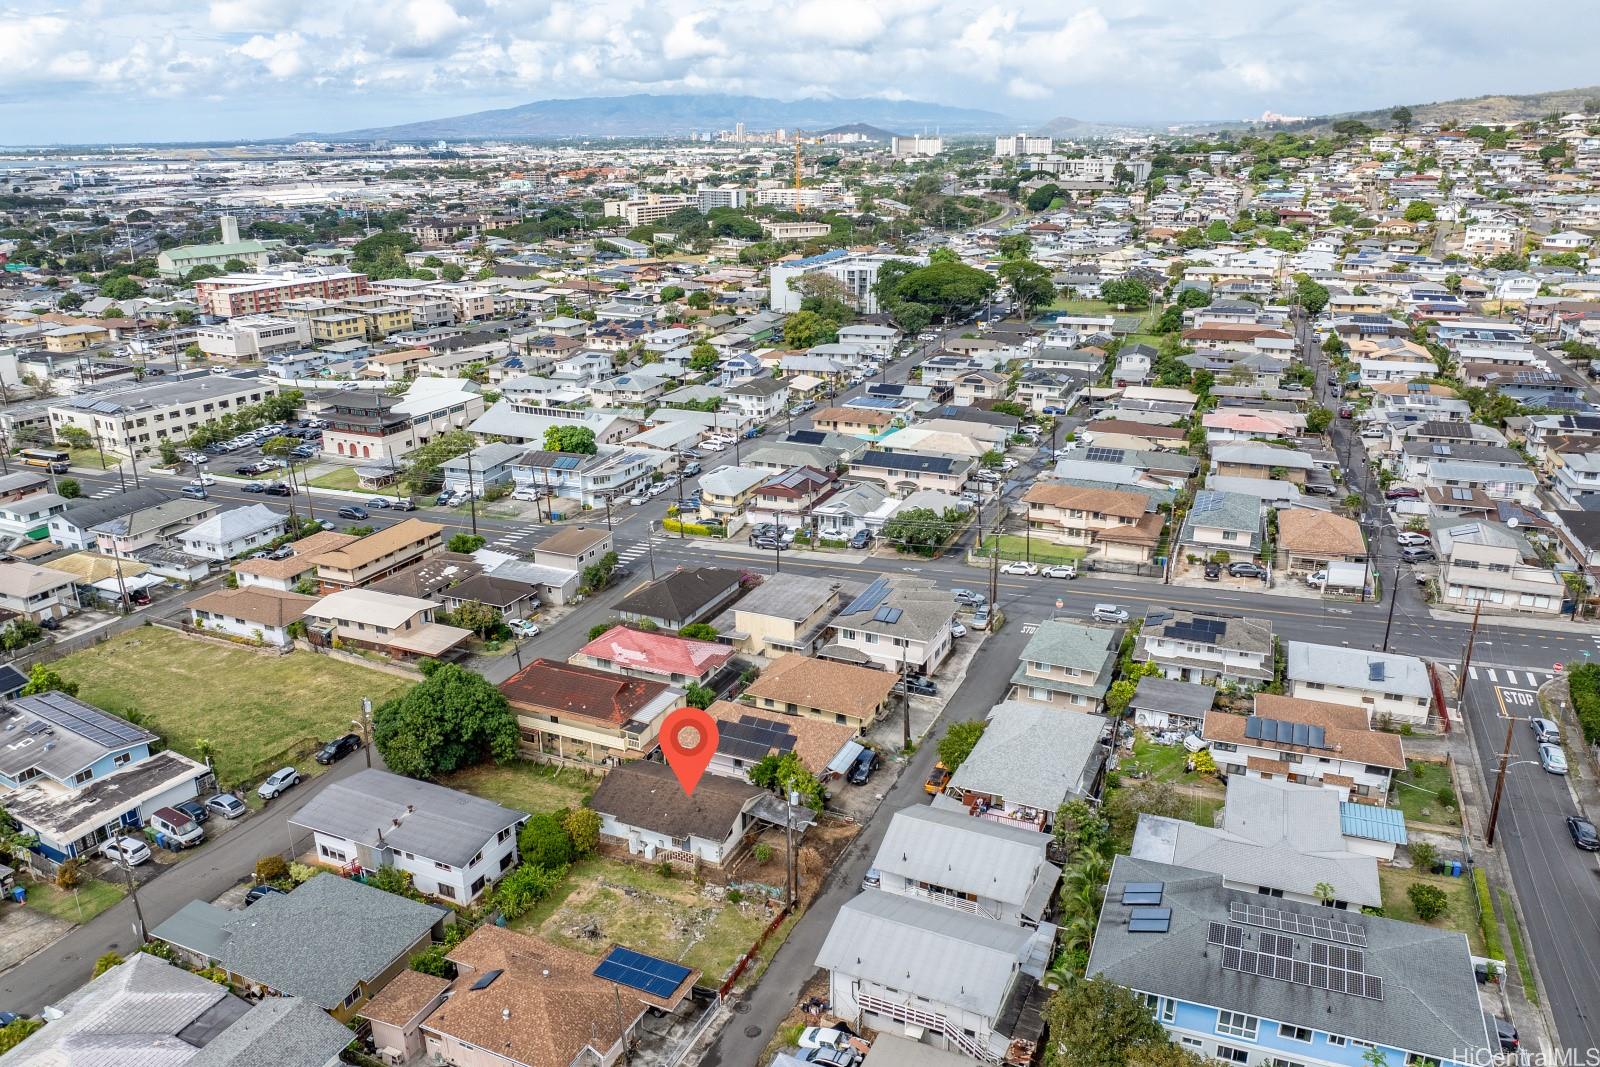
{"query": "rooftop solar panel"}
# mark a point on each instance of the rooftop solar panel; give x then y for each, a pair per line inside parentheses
(658, 977)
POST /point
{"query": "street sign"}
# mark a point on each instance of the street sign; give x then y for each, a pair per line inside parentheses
(1557, 668)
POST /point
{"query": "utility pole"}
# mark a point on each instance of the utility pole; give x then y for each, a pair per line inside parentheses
(472, 494)
(650, 546)
(1466, 660)
(366, 725)
(994, 555)
(139, 927)
(905, 707)
(788, 848)
(1500, 781)
(1394, 598)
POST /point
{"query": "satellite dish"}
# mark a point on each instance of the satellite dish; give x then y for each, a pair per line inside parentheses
(1512, 522)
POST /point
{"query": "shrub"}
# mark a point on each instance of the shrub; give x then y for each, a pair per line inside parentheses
(69, 875)
(1447, 796)
(735, 896)
(105, 963)
(159, 949)
(1584, 684)
(394, 880)
(664, 869)
(431, 961)
(1486, 920)
(1423, 855)
(544, 842)
(301, 872)
(583, 827)
(272, 869)
(763, 852)
(1428, 900)
(525, 887)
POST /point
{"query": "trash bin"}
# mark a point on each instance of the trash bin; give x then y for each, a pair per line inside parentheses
(19, 894)
(1455, 869)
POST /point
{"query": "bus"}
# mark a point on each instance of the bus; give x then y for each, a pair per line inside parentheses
(51, 459)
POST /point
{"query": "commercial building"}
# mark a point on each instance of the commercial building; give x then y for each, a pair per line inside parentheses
(370, 425)
(142, 416)
(253, 337)
(177, 262)
(916, 145)
(647, 209)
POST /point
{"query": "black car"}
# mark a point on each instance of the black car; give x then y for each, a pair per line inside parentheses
(1584, 835)
(1213, 571)
(338, 749)
(353, 511)
(252, 487)
(921, 685)
(862, 539)
(194, 809)
(258, 892)
(863, 767)
(1507, 1034)
(278, 489)
(1246, 570)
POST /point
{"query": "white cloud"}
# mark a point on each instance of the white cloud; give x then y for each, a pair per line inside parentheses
(282, 54)
(847, 23)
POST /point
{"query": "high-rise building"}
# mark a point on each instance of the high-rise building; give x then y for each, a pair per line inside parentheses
(917, 145)
(1021, 144)
(715, 196)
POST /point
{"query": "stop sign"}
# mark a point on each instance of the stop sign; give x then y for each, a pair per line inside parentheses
(1558, 668)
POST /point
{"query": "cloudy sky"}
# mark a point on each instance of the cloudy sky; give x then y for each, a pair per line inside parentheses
(140, 70)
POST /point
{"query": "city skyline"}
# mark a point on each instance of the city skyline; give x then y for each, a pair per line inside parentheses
(244, 69)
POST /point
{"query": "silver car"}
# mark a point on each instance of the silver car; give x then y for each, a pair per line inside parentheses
(1109, 613)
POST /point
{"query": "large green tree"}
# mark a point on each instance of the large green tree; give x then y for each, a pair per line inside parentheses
(1029, 283)
(575, 439)
(959, 741)
(807, 329)
(427, 463)
(1096, 1023)
(453, 718)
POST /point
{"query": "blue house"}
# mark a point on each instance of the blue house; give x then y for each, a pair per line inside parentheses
(74, 775)
(1265, 982)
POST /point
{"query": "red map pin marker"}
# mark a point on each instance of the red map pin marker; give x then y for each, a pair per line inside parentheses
(689, 761)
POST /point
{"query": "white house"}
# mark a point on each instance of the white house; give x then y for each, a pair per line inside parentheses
(898, 624)
(454, 845)
(973, 865)
(644, 809)
(251, 613)
(759, 399)
(234, 532)
(1389, 686)
(878, 340)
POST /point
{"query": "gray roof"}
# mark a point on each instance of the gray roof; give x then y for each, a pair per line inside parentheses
(1224, 511)
(955, 850)
(1429, 1004)
(61, 735)
(378, 809)
(1449, 471)
(1034, 756)
(1356, 668)
(929, 950)
(787, 595)
(1071, 644)
(277, 1032)
(87, 512)
(157, 517)
(234, 523)
(1156, 693)
(320, 940)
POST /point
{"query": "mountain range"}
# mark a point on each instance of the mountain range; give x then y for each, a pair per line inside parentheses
(1493, 108)
(645, 115)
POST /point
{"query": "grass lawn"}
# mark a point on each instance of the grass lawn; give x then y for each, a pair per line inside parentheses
(665, 917)
(1163, 763)
(525, 785)
(1416, 794)
(74, 905)
(1036, 549)
(1460, 914)
(90, 457)
(258, 712)
(338, 478)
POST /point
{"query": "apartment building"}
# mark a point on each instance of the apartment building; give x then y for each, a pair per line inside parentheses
(366, 424)
(379, 554)
(253, 337)
(141, 416)
(228, 295)
(900, 624)
(1090, 168)
(1022, 144)
(712, 197)
(858, 271)
(644, 210)
(1495, 578)
(1390, 687)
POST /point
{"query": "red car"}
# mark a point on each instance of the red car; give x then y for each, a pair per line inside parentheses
(1402, 492)
(1347, 412)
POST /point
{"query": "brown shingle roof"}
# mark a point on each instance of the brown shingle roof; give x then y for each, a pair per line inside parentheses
(377, 545)
(647, 795)
(1083, 498)
(1136, 429)
(1319, 533)
(565, 689)
(1345, 729)
(815, 742)
(859, 416)
(407, 994)
(304, 559)
(256, 603)
(823, 684)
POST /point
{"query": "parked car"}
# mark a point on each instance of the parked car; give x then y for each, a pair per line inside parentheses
(1246, 569)
(770, 544)
(9, 1017)
(128, 851)
(968, 597)
(204, 479)
(277, 782)
(921, 686)
(863, 767)
(1545, 731)
(194, 492)
(177, 828)
(338, 749)
(1506, 1034)
(1317, 578)
(257, 892)
(937, 780)
(638, 500)
(980, 618)
(444, 499)
(691, 469)
(140, 597)
(226, 805)
(957, 629)
(402, 504)
(872, 879)
(1417, 554)
(820, 1037)
(1584, 835)
(829, 1057)
(353, 511)
(1402, 492)
(1410, 539)
(1213, 571)
(1552, 759)
(861, 539)
(1060, 570)
(1018, 566)
(1347, 412)
(1109, 613)
(194, 809)
(525, 628)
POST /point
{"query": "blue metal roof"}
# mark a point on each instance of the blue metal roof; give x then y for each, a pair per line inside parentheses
(819, 259)
(1372, 823)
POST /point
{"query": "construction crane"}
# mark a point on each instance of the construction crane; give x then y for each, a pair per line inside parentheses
(799, 169)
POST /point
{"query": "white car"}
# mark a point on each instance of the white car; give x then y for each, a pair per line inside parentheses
(202, 480)
(277, 782)
(1319, 578)
(126, 850)
(1008, 464)
(658, 488)
(957, 630)
(1017, 566)
(524, 628)
(820, 1037)
(638, 500)
(1061, 570)
(1411, 539)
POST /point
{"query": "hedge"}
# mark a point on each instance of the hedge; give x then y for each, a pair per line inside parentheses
(1584, 684)
(1486, 919)
(693, 529)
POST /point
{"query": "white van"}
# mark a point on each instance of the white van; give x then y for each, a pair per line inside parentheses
(177, 827)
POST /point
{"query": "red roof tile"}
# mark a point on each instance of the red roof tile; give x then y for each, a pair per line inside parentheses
(656, 653)
(571, 690)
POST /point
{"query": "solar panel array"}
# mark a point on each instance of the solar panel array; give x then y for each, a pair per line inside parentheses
(869, 598)
(659, 978)
(1282, 732)
(1150, 920)
(1142, 892)
(1105, 455)
(1274, 919)
(1198, 629)
(751, 738)
(887, 614)
(60, 710)
(1331, 967)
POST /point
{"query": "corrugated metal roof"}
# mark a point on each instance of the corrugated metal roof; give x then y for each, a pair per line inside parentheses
(1372, 823)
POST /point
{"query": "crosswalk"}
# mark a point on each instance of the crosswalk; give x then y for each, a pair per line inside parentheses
(1508, 676)
(635, 550)
(109, 490)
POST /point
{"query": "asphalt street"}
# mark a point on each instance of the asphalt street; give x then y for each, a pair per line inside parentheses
(1555, 881)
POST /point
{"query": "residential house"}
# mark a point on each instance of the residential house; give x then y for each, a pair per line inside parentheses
(821, 689)
(72, 526)
(299, 569)
(644, 810)
(1277, 839)
(1494, 578)
(1178, 937)
(951, 980)
(583, 716)
(147, 1010)
(1030, 760)
(1261, 461)
(1114, 525)
(678, 661)
(1390, 687)
(788, 498)
(233, 532)
(878, 341)
(1206, 647)
(37, 593)
(899, 624)
(726, 491)
(510, 595)
(973, 865)
(378, 554)
(685, 596)
(1222, 522)
(1160, 703)
(1309, 540)
(904, 473)
(279, 947)
(401, 626)
(453, 844)
(157, 526)
(757, 400)
(979, 385)
(1306, 741)
(483, 467)
(251, 613)
(847, 511)
(74, 775)
(870, 423)
(573, 548)
(1067, 665)
(788, 612)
